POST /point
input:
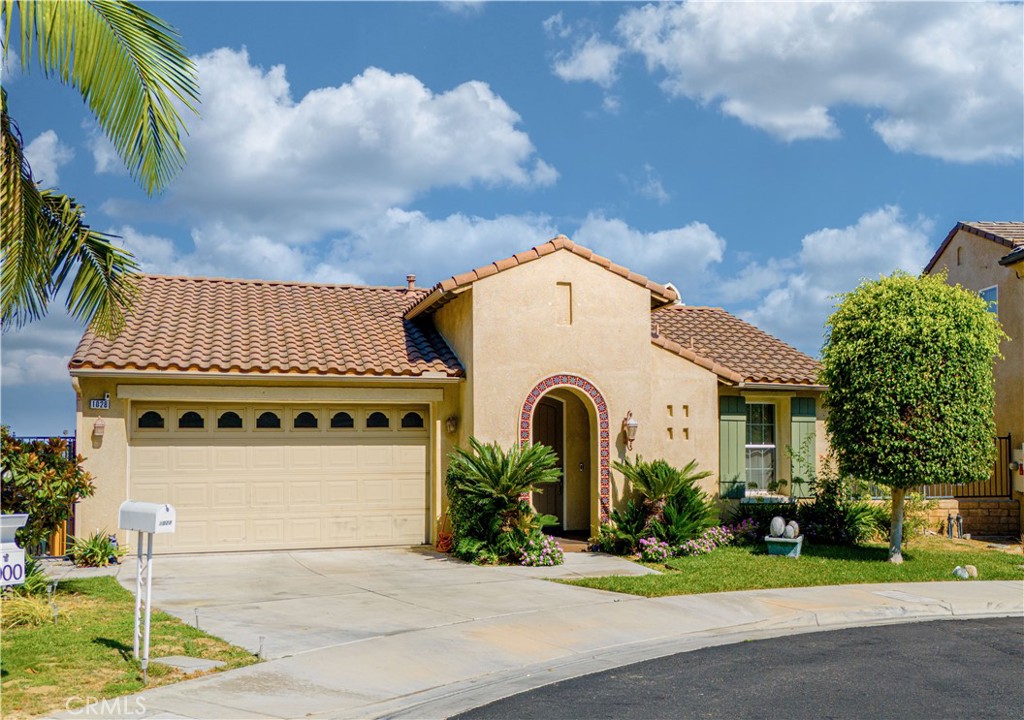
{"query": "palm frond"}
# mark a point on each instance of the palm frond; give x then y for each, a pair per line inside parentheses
(23, 238)
(128, 65)
(44, 240)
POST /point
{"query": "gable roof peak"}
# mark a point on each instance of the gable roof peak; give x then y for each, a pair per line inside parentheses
(445, 290)
(1007, 233)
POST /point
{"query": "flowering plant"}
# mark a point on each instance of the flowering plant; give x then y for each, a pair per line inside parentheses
(653, 550)
(716, 537)
(541, 551)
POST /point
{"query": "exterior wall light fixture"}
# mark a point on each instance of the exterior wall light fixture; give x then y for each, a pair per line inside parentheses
(98, 428)
(629, 426)
(452, 423)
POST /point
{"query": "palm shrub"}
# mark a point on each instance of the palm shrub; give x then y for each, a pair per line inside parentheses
(659, 484)
(490, 519)
(628, 526)
(688, 514)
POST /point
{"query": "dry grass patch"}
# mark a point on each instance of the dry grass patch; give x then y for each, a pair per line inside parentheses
(88, 652)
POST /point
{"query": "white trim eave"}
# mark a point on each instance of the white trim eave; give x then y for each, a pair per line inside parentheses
(782, 386)
(279, 395)
(266, 378)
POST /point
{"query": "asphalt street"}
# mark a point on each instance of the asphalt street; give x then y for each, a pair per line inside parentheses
(969, 669)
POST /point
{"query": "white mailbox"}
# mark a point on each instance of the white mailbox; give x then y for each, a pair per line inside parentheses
(12, 572)
(146, 517)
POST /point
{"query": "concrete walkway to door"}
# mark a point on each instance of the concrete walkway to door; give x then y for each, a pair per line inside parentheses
(409, 633)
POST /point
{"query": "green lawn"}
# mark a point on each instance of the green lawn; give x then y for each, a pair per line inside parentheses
(749, 568)
(88, 653)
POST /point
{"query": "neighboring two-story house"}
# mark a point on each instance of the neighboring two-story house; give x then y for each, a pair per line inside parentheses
(988, 257)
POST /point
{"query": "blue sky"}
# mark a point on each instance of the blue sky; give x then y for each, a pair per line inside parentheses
(761, 157)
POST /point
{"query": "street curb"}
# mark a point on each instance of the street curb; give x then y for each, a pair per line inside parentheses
(449, 700)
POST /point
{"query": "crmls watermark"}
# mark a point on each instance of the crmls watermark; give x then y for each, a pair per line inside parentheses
(115, 707)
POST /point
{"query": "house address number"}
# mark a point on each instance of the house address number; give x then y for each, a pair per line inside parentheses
(100, 403)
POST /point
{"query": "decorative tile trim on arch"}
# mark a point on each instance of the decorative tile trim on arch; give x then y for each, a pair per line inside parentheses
(604, 444)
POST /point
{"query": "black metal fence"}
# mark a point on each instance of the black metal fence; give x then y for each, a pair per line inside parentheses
(997, 486)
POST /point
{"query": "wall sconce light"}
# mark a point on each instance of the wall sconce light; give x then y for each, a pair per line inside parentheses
(629, 426)
(98, 428)
(452, 423)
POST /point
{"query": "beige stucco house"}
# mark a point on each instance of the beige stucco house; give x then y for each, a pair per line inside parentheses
(287, 415)
(988, 257)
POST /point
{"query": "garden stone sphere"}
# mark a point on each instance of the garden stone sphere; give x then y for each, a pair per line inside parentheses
(788, 532)
(778, 526)
(796, 528)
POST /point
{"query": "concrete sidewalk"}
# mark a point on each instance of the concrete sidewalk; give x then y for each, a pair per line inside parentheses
(499, 631)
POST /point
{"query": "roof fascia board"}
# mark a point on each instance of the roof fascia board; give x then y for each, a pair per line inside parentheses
(220, 393)
(676, 349)
(266, 378)
(782, 386)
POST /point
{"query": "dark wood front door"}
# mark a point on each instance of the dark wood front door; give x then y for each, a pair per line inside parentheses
(548, 429)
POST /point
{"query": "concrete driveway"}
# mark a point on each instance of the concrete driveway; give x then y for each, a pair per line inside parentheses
(409, 633)
(294, 602)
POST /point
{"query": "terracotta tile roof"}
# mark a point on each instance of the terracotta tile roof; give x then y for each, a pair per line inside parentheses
(445, 290)
(252, 326)
(747, 353)
(1008, 234)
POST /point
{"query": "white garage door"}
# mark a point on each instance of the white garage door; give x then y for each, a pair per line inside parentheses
(270, 478)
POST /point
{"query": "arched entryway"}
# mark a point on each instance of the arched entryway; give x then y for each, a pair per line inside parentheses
(569, 413)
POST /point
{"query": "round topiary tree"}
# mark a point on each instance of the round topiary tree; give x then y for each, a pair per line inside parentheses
(908, 365)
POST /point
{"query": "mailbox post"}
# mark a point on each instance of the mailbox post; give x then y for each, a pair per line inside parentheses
(151, 519)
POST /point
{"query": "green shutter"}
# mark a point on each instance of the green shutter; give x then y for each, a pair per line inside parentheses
(732, 461)
(802, 464)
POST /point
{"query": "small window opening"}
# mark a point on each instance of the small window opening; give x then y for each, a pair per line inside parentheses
(268, 420)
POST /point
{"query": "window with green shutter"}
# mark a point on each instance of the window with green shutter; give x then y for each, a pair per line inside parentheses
(803, 438)
(732, 465)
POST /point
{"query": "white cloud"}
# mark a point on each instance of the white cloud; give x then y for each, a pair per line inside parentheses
(46, 154)
(555, 26)
(39, 352)
(795, 295)
(264, 163)
(650, 186)
(464, 7)
(104, 156)
(678, 255)
(593, 60)
(939, 79)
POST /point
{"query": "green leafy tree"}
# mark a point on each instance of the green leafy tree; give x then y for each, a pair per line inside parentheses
(130, 69)
(908, 365)
(660, 483)
(39, 479)
(486, 487)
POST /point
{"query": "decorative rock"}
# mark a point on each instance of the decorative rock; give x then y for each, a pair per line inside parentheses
(778, 526)
(971, 570)
(796, 528)
(960, 573)
(789, 532)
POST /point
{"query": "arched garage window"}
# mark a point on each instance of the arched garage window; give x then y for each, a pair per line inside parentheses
(229, 421)
(342, 420)
(305, 421)
(268, 421)
(151, 420)
(191, 421)
(412, 420)
(378, 420)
